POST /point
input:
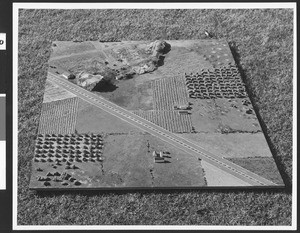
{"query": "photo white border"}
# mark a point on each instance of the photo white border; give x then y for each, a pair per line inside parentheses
(17, 6)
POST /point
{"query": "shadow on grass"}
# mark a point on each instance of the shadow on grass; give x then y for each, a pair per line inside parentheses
(280, 166)
(167, 190)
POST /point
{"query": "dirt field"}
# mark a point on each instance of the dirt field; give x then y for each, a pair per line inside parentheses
(130, 163)
(91, 119)
(61, 48)
(233, 145)
(223, 116)
(216, 177)
(129, 95)
(80, 62)
(265, 167)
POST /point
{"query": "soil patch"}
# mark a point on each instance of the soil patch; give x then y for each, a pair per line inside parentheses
(236, 145)
(223, 116)
(127, 95)
(129, 157)
(91, 119)
(67, 48)
(265, 167)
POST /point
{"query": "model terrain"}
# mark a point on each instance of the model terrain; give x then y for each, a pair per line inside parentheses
(148, 114)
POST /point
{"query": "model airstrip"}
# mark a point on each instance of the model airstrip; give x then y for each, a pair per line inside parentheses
(148, 114)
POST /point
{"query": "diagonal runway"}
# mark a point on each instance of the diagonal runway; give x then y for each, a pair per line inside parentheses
(179, 142)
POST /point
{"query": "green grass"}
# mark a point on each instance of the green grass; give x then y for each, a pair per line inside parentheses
(262, 43)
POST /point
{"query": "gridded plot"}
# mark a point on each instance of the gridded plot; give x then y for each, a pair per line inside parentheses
(59, 116)
(61, 160)
(222, 82)
(168, 92)
(169, 120)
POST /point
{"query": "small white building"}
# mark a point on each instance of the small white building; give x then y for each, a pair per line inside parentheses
(65, 75)
(158, 158)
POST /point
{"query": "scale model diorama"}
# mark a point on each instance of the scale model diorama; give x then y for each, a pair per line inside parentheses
(148, 114)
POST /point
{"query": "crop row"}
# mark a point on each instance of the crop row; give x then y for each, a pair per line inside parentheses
(58, 117)
(168, 92)
(169, 120)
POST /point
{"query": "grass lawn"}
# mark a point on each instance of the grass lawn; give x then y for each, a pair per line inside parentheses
(262, 43)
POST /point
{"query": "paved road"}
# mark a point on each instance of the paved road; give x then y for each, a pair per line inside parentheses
(177, 141)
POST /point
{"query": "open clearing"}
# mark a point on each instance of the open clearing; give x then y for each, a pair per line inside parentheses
(92, 120)
(129, 95)
(233, 145)
(128, 157)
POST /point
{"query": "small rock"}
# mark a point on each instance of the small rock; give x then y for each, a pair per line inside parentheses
(88, 81)
(158, 47)
(249, 111)
(77, 183)
(47, 183)
(71, 76)
(246, 102)
(72, 179)
(56, 174)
